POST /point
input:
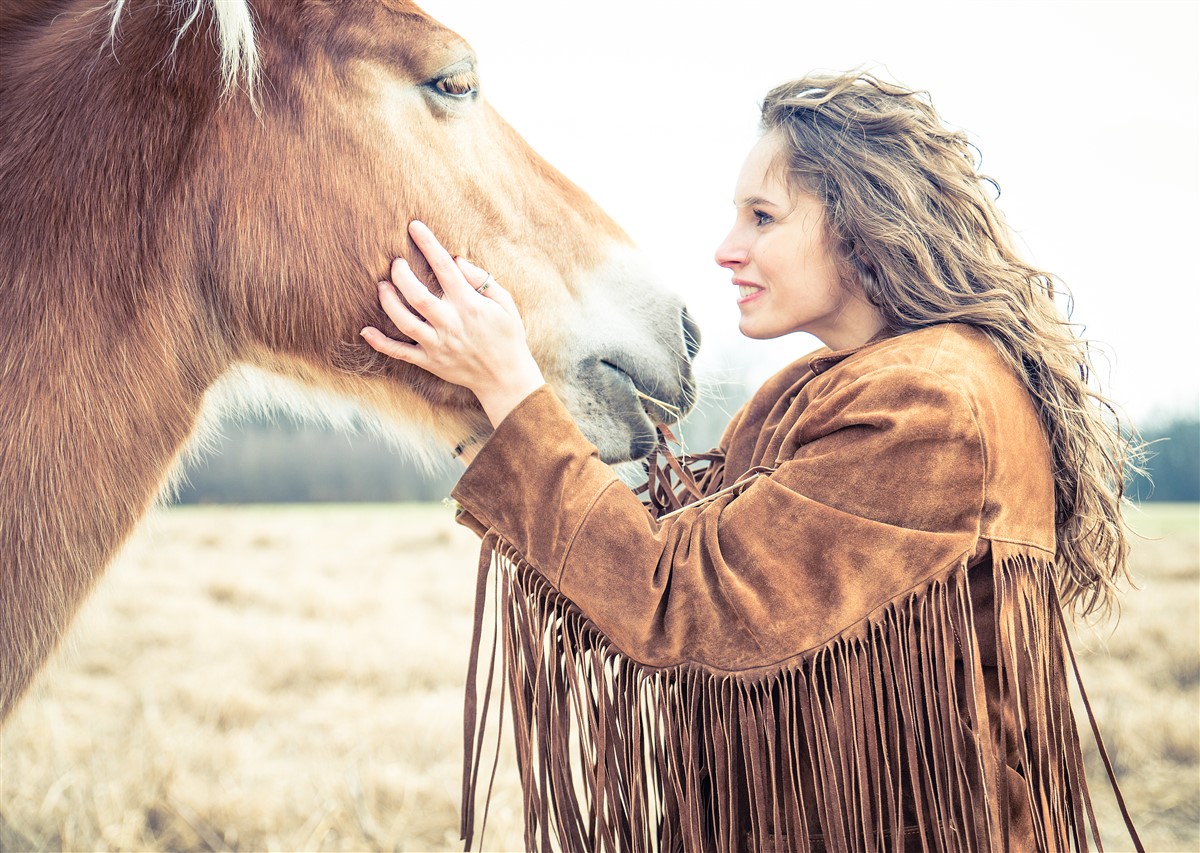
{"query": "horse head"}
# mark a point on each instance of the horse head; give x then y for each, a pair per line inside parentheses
(367, 115)
(193, 186)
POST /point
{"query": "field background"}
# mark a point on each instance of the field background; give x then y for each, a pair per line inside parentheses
(290, 678)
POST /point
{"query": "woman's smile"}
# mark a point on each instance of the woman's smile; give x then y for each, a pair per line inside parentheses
(747, 291)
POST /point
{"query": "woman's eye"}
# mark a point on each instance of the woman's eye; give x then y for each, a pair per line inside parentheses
(761, 218)
(460, 85)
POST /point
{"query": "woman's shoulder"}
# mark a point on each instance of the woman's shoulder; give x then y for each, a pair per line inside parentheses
(954, 359)
(954, 368)
(932, 348)
(954, 354)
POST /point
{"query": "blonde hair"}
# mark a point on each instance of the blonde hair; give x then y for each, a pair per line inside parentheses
(919, 232)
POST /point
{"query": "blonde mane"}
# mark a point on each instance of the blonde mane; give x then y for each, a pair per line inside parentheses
(235, 36)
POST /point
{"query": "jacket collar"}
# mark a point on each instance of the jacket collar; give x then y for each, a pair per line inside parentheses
(824, 359)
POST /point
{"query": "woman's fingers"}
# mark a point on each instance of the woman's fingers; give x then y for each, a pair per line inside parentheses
(381, 343)
(476, 277)
(422, 300)
(448, 274)
(406, 321)
(473, 275)
(457, 276)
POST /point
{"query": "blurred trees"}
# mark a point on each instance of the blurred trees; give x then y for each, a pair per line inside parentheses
(1173, 462)
(281, 460)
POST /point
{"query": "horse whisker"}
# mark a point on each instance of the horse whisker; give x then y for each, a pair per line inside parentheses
(675, 410)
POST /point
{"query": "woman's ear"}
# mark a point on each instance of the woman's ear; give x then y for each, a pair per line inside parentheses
(858, 271)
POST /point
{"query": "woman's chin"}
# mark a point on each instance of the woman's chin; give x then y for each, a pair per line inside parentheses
(756, 331)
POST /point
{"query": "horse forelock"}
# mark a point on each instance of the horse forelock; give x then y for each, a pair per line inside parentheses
(236, 41)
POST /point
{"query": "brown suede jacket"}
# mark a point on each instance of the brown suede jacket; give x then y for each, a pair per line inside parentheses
(892, 462)
(864, 595)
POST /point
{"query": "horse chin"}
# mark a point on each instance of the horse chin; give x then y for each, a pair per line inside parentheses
(614, 414)
(619, 354)
(620, 436)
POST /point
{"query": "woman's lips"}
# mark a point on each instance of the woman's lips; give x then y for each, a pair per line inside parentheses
(747, 292)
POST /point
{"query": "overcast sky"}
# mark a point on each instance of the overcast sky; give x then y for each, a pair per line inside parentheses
(1086, 114)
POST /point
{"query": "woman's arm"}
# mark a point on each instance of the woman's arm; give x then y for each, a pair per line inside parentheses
(884, 491)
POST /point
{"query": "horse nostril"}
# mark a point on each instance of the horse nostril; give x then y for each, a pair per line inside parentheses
(691, 335)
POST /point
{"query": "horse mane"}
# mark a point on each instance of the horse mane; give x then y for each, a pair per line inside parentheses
(236, 41)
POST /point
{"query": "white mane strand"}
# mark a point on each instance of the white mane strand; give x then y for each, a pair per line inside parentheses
(235, 36)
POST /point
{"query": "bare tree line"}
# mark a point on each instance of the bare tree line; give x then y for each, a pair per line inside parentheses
(281, 460)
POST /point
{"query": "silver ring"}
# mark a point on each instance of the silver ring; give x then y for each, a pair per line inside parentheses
(487, 282)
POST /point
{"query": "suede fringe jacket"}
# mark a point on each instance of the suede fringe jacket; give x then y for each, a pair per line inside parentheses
(851, 641)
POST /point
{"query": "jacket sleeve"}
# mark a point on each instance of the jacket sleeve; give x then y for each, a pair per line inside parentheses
(884, 488)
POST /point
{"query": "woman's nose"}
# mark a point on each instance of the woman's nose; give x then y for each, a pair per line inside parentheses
(731, 251)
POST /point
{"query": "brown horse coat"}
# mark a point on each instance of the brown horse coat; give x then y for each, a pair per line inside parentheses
(851, 642)
(163, 235)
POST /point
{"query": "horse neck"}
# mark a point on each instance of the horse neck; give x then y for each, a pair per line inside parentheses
(108, 334)
(93, 421)
(107, 343)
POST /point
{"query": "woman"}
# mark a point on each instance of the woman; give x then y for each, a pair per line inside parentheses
(851, 635)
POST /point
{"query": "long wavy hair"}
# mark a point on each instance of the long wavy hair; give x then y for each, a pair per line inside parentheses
(918, 230)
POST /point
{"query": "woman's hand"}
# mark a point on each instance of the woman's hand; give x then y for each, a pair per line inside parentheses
(470, 337)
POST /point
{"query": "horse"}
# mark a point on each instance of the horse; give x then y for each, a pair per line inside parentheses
(176, 177)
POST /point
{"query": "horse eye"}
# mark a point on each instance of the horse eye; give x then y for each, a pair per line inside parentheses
(459, 85)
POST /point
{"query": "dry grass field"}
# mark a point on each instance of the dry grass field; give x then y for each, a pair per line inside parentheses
(290, 678)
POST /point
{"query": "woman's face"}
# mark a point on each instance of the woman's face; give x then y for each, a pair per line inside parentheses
(783, 266)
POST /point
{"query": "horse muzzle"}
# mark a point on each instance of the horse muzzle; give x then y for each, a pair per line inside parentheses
(624, 393)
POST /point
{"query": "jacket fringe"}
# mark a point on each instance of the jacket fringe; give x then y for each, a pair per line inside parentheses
(881, 739)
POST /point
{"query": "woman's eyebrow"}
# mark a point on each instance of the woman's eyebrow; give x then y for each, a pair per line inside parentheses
(755, 201)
